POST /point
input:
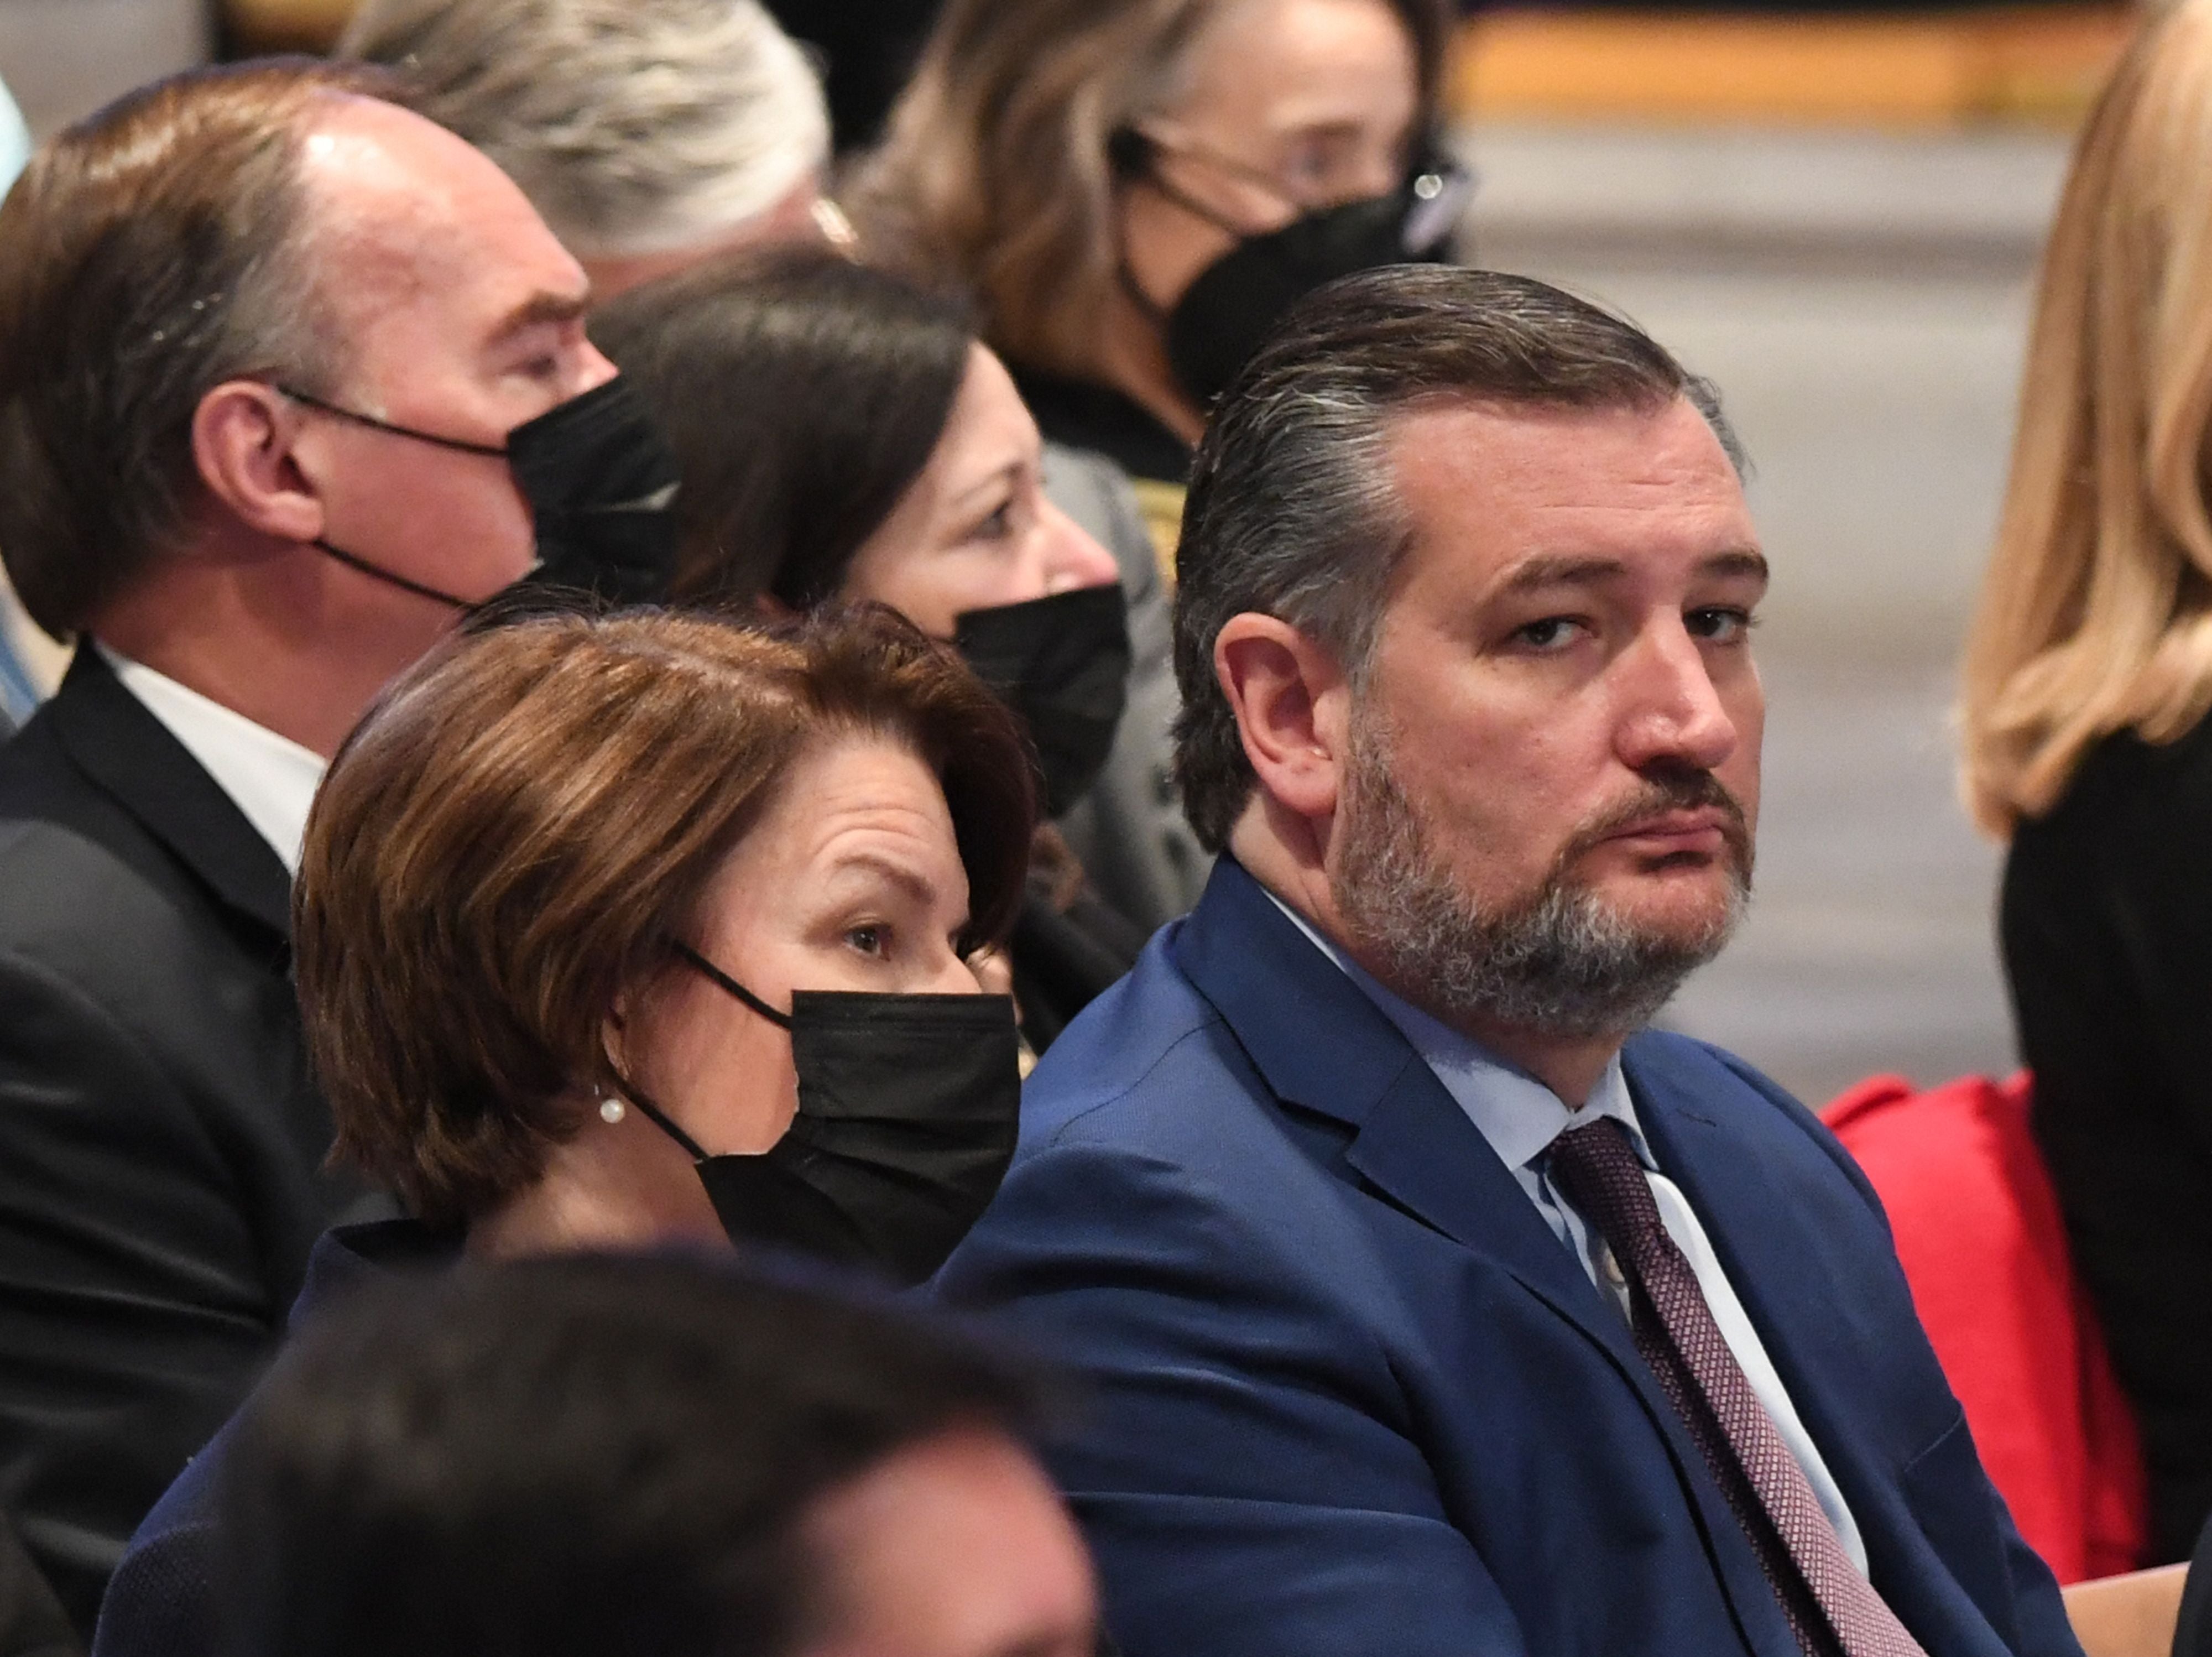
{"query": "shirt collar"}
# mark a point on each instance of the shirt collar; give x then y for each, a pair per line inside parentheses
(270, 778)
(1518, 1114)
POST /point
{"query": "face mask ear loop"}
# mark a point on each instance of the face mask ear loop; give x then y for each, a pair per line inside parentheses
(729, 985)
(351, 561)
(458, 444)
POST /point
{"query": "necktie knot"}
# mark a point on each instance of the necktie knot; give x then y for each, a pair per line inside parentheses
(1596, 1167)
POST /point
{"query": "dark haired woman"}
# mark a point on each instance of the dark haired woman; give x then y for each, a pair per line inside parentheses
(844, 436)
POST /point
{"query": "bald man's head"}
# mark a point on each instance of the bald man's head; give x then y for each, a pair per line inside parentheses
(278, 220)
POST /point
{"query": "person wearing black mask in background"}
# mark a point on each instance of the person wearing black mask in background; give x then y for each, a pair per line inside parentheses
(1136, 190)
(842, 435)
(622, 931)
(288, 376)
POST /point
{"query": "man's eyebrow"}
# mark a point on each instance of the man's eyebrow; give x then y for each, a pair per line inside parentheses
(541, 307)
(1744, 562)
(1562, 572)
(1565, 571)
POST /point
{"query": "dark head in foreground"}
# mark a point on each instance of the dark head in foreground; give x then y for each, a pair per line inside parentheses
(594, 1455)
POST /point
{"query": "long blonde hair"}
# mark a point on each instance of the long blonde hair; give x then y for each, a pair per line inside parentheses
(2096, 615)
(994, 174)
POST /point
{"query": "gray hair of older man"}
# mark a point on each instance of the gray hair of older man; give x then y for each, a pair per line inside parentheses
(1293, 509)
(635, 127)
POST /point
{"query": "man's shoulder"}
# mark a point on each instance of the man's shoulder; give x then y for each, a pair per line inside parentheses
(1718, 1089)
(81, 883)
(1142, 1049)
(1684, 1070)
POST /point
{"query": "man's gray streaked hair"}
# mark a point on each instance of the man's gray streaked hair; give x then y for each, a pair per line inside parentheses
(1293, 510)
(635, 126)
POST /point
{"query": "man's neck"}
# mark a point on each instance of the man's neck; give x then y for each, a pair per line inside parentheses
(227, 628)
(1287, 862)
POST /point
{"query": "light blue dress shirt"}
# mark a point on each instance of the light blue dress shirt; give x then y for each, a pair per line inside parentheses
(19, 698)
(1520, 1116)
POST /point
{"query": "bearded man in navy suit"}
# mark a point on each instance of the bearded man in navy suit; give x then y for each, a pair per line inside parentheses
(1432, 1305)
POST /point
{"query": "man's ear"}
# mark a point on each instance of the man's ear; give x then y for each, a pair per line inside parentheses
(1292, 705)
(242, 446)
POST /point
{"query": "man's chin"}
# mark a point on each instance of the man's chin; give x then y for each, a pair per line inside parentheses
(1690, 909)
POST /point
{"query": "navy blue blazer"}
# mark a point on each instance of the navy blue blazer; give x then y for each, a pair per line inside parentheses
(163, 1600)
(1352, 1395)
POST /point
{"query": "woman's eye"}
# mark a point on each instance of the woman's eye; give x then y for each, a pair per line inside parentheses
(869, 940)
(997, 527)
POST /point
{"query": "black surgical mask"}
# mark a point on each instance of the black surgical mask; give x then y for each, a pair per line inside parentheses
(908, 1111)
(600, 482)
(1062, 664)
(1217, 325)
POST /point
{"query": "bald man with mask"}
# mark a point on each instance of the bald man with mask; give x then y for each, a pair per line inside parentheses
(290, 378)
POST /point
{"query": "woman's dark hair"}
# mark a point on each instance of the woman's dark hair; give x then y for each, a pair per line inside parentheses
(578, 1455)
(803, 394)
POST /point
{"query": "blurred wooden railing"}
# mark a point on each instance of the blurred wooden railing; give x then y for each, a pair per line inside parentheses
(2039, 63)
(1923, 69)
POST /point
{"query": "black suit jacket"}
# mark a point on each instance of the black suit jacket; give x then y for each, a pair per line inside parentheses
(161, 1144)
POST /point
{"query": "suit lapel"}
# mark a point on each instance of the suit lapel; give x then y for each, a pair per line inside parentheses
(1322, 1045)
(122, 748)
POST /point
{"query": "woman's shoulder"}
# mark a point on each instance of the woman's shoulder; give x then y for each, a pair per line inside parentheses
(2126, 779)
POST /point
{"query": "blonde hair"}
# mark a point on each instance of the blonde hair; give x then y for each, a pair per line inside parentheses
(993, 172)
(635, 127)
(2096, 614)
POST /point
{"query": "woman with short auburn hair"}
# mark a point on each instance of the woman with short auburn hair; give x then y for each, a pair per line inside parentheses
(572, 866)
(1134, 189)
(617, 931)
(2087, 683)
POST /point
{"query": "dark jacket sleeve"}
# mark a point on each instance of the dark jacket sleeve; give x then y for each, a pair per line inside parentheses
(1225, 1392)
(32, 1621)
(134, 1311)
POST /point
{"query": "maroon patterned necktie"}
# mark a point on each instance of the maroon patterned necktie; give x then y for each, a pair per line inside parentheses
(1831, 1608)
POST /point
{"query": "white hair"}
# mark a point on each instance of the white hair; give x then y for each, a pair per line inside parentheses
(635, 126)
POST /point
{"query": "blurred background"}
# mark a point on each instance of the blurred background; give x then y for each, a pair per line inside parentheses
(1835, 215)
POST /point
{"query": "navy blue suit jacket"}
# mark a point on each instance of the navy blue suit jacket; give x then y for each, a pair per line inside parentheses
(1352, 1395)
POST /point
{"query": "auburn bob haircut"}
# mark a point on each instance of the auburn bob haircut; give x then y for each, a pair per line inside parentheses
(505, 845)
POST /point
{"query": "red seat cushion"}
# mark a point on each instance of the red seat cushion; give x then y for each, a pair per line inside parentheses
(1979, 1232)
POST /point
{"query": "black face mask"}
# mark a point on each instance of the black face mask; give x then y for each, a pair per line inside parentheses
(1062, 664)
(907, 1110)
(600, 481)
(1221, 320)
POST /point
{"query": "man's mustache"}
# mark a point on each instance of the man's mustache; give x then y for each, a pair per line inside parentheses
(1673, 789)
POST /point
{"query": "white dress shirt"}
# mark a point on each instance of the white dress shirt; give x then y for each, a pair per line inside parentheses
(270, 778)
(1520, 1117)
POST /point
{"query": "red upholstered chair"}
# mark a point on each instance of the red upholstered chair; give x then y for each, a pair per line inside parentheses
(1979, 1232)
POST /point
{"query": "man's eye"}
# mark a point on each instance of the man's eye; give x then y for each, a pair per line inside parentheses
(1548, 634)
(1719, 624)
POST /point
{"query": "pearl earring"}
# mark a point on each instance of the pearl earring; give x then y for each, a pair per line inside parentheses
(611, 1110)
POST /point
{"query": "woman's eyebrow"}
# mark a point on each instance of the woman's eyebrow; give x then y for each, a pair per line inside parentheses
(908, 878)
(1009, 475)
